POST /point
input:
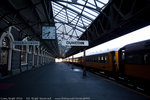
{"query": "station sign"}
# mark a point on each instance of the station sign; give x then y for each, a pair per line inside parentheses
(26, 42)
(75, 43)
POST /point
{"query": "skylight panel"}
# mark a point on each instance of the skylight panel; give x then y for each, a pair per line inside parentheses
(63, 3)
(68, 28)
(62, 13)
(60, 28)
(80, 1)
(76, 19)
(56, 20)
(57, 25)
(86, 20)
(73, 22)
(61, 18)
(74, 8)
(78, 6)
(93, 6)
(104, 1)
(85, 23)
(79, 33)
(71, 18)
(80, 28)
(70, 32)
(80, 24)
(93, 17)
(56, 5)
(71, 12)
(91, 2)
(66, 37)
(99, 4)
(71, 15)
(91, 12)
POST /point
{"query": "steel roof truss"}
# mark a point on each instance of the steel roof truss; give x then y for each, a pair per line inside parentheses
(75, 11)
(75, 3)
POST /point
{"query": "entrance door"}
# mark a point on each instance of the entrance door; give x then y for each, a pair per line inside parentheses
(4, 55)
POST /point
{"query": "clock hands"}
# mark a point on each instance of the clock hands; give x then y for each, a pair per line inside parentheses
(47, 33)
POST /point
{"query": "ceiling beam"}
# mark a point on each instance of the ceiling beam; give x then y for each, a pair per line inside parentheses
(75, 3)
(74, 11)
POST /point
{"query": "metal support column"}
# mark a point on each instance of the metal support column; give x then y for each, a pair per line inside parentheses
(72, 63)
(84, 63)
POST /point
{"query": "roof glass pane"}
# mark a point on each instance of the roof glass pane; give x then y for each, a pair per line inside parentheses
(71, 12)
(55, 5)
(93, 6)
(89, 15)
(80, 28)
(104, 1)
(99, 4)
(80, 2)
(72, 18)
(90, 11)
(91, 2)
(74, 8)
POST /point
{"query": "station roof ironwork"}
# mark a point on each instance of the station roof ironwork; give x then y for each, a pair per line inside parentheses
(73, 17)
(94, 20)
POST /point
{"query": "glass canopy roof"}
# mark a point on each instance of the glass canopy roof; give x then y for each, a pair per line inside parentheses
(73, 17)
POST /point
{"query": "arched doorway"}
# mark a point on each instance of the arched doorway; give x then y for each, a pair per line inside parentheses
(4, 56)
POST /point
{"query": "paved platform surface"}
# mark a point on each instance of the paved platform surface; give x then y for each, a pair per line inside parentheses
(58, 81)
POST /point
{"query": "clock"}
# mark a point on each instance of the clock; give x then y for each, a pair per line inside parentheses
(48, 32)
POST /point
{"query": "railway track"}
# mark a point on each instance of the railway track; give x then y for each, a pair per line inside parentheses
(125, 81)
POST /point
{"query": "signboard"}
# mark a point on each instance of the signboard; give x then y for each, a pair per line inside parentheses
(26, 42)
(48, 32)
(75, 43)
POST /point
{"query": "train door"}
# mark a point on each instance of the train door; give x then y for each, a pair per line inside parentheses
(121, 60)
(4, 56)
(114, 61)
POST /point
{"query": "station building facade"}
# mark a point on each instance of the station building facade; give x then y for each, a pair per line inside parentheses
(19, 58)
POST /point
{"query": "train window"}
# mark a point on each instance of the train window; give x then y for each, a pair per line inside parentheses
(99, 59)
(147, 59)
(102, 58)
(134, 59)
(106, 59)
(91, 59)
(123, 56)
(88, 59)
(96, 59)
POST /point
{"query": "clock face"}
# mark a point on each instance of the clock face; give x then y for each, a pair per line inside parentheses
(48, 32)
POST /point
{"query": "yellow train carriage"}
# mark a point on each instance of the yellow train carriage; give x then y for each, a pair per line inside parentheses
(135, 60)
(107, 61)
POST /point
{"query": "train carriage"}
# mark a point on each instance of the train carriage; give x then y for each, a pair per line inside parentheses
(135, 60)
(132, 60)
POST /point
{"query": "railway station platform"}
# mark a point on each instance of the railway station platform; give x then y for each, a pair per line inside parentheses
(58, 81)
